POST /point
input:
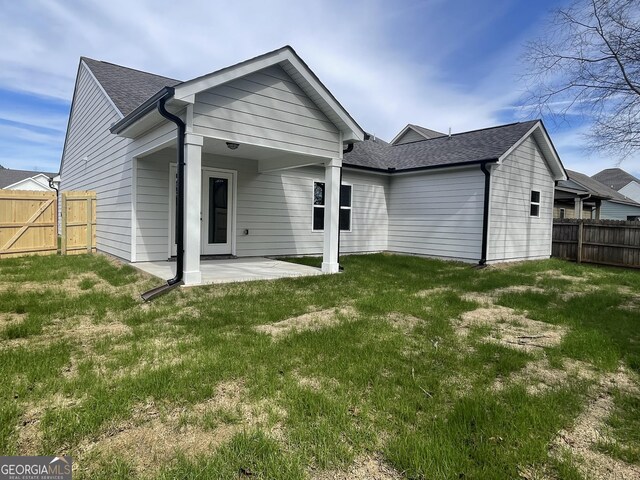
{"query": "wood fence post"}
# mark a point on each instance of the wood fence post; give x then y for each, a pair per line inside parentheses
(89, 222)
(580, 235)
(63, 240)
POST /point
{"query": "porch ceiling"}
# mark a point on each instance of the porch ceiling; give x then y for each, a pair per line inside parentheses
(233, 270)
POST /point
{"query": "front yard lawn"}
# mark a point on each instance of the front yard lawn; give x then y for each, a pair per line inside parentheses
(400, 367)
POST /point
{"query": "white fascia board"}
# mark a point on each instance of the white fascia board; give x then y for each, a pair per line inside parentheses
(186, 91)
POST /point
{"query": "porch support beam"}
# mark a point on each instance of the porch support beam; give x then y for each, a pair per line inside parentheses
(331, 215)
(193, 205)
(578, 207)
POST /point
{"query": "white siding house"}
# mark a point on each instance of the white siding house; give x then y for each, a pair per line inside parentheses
(275, 166)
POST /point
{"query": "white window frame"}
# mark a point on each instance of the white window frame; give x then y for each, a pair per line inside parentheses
(563, 213)
(313, 206)
(531, 202)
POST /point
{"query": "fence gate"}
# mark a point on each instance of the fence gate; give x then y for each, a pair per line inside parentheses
(28, 223)
(78, 222)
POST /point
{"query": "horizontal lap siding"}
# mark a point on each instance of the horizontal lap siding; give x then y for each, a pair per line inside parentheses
(266, 108)
(513, 233)
(437, 214)
(617, 211)
(409, 136)
(105, 171)
(275, 207)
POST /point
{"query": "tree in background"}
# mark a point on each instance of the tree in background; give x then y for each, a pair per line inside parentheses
(588, 64)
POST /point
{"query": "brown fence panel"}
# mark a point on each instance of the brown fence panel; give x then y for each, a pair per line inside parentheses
(28, 223)
(607, 242)
(78, 222)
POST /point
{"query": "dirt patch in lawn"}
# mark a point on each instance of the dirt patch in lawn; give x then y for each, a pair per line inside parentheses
(510, 329)
(154, 435)
(538, 377)
(431, 291)
(364, 468)
(309, 321)
(589, 429)
(403, 322)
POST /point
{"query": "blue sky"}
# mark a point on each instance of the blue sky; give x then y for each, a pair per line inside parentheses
(437, 63)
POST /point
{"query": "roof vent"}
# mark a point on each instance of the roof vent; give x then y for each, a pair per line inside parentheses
(449, 132)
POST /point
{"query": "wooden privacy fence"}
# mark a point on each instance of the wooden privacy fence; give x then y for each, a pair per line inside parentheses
(78, 223)
(607, 242)
(28, 223)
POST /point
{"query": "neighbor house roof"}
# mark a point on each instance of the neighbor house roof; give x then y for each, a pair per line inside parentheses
(595, 187)
(9, 176)
(469, 147)
(127, 88)
(615, 178)
(427, 133)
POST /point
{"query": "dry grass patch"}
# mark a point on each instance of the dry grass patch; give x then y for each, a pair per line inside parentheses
(511, 329)
(370, 467)
(309, 321)
(589, 429)
(403, 322)
(431, 291)
(153, 435)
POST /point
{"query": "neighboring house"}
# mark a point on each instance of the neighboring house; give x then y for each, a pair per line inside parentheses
(274, 165)
(621, 181)
(581, 193)
(25, 180)
(414, 133)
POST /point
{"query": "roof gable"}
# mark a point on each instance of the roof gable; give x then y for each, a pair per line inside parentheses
(615, 178)
(10, 177)
(595, 187)
(415, 131)
(126, 87)
(299, 72)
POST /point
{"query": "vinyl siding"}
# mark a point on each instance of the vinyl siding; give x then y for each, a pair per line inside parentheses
(513, 232)
(276, 209)
(631, 190)
(266, 108)
(106, 170)
(617, 211)
(437, 213)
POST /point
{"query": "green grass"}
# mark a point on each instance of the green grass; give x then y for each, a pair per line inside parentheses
(83, 352)
(624, 424)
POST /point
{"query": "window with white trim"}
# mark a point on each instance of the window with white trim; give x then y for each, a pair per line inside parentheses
(319, 203)
(563, 213)
(535, 204)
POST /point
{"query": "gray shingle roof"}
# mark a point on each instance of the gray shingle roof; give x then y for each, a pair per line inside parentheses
(595, 187)
(615, 178)
(9, 176)
(468, 147)
(127, 88)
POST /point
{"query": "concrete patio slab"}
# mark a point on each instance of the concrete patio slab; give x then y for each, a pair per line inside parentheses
(233, 270)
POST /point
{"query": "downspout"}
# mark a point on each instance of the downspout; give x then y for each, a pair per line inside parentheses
(485, 216)
(177, 279)
(346, 150)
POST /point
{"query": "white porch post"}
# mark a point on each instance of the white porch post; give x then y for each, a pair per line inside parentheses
(578, 207)
(193, 206)
(331, 215)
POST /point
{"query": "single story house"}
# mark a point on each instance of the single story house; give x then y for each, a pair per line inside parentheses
(274, 165)
(620, 181)
(26, 180)
(591, 199)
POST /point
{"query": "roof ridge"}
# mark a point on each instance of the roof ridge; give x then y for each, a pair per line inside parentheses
(464, 133)
(129, 68)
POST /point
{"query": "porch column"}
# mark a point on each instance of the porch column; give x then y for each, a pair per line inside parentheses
(193, 206)
(578, 207)
(331, 215)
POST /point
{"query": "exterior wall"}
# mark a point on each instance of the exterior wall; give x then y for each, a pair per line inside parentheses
(570, 211)
(632, 191)
(94, 159)
(276, 209)
(437, 213)
(266, 108)
(513, 233)
(617, 211)
(408, 137)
